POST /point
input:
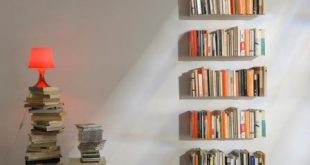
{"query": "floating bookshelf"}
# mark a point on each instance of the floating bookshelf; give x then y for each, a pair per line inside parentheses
(219, 17)
(233, 42)
(218, 97)
(217, 58)
(228, 124)
(226, 7)
(242, 156)
(228, 83)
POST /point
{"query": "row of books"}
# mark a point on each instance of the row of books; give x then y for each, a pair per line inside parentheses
(222, 83)
(47, 117)
(91, 142)
(227, 42)
(218, 157)
(227, 124)
(227, 7)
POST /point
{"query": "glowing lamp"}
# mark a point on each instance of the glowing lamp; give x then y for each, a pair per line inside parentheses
(41, 58)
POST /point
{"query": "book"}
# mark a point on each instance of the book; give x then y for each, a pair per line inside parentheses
(52, 90)
(47, 117)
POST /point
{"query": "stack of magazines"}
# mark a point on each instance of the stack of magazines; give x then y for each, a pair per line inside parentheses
(91, 142)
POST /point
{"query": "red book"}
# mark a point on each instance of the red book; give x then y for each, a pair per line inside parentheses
(225, 82)
(191, 43)
(209, 118)
(232, 7)
(195, 43)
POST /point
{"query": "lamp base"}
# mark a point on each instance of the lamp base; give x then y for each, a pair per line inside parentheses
(41, 82)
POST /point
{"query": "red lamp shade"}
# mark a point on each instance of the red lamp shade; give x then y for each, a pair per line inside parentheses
(41, 57)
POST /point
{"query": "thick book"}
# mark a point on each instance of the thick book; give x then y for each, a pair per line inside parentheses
(47, 117)
(45, 90)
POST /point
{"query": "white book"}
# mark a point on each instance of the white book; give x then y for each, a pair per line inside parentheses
(206, 6)
(199, 7)
(224, 6)
(220, 84)
(229, 7)
(211, 6)
(238, 41)
(258, 124)
(218, 127)
(235, 83)
(252, 42)
(242, 43)
(223, 43)
(214, 84)
(256, 161)
(213, 127)
(200, 90)
(232, 162)
(209, 44)
(192, 7)
(242, 124)
(257, 43)
(220, 7)
(252, 124)
(239, 124)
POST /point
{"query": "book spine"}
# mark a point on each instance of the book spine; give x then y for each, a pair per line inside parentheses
(262, 36)
(258, 124)
(263, 124)
(242, 124)
(252, 124)
(200, 88)
(249, 7)
(242, 43)
(247, 124)
(257, 42)
(193, 87)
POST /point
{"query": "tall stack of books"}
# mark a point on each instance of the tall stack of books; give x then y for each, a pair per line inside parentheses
(91, 142)
(47, 116)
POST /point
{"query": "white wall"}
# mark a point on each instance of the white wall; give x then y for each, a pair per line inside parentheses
(117, 64)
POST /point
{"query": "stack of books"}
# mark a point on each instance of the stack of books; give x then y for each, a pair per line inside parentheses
(227, 124)
(47, 116)
(227, 42)
(218, 157)
(226, 7)
(91, 142)
(222, 83)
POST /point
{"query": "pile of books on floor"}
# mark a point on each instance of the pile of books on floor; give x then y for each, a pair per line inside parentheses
(218, 157)
(227, 42)
(222, 83)
(91, 142)
(227, 124)
(47, 116)
(226, 7)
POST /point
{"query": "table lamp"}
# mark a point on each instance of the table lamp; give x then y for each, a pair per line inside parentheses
(41, 58)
